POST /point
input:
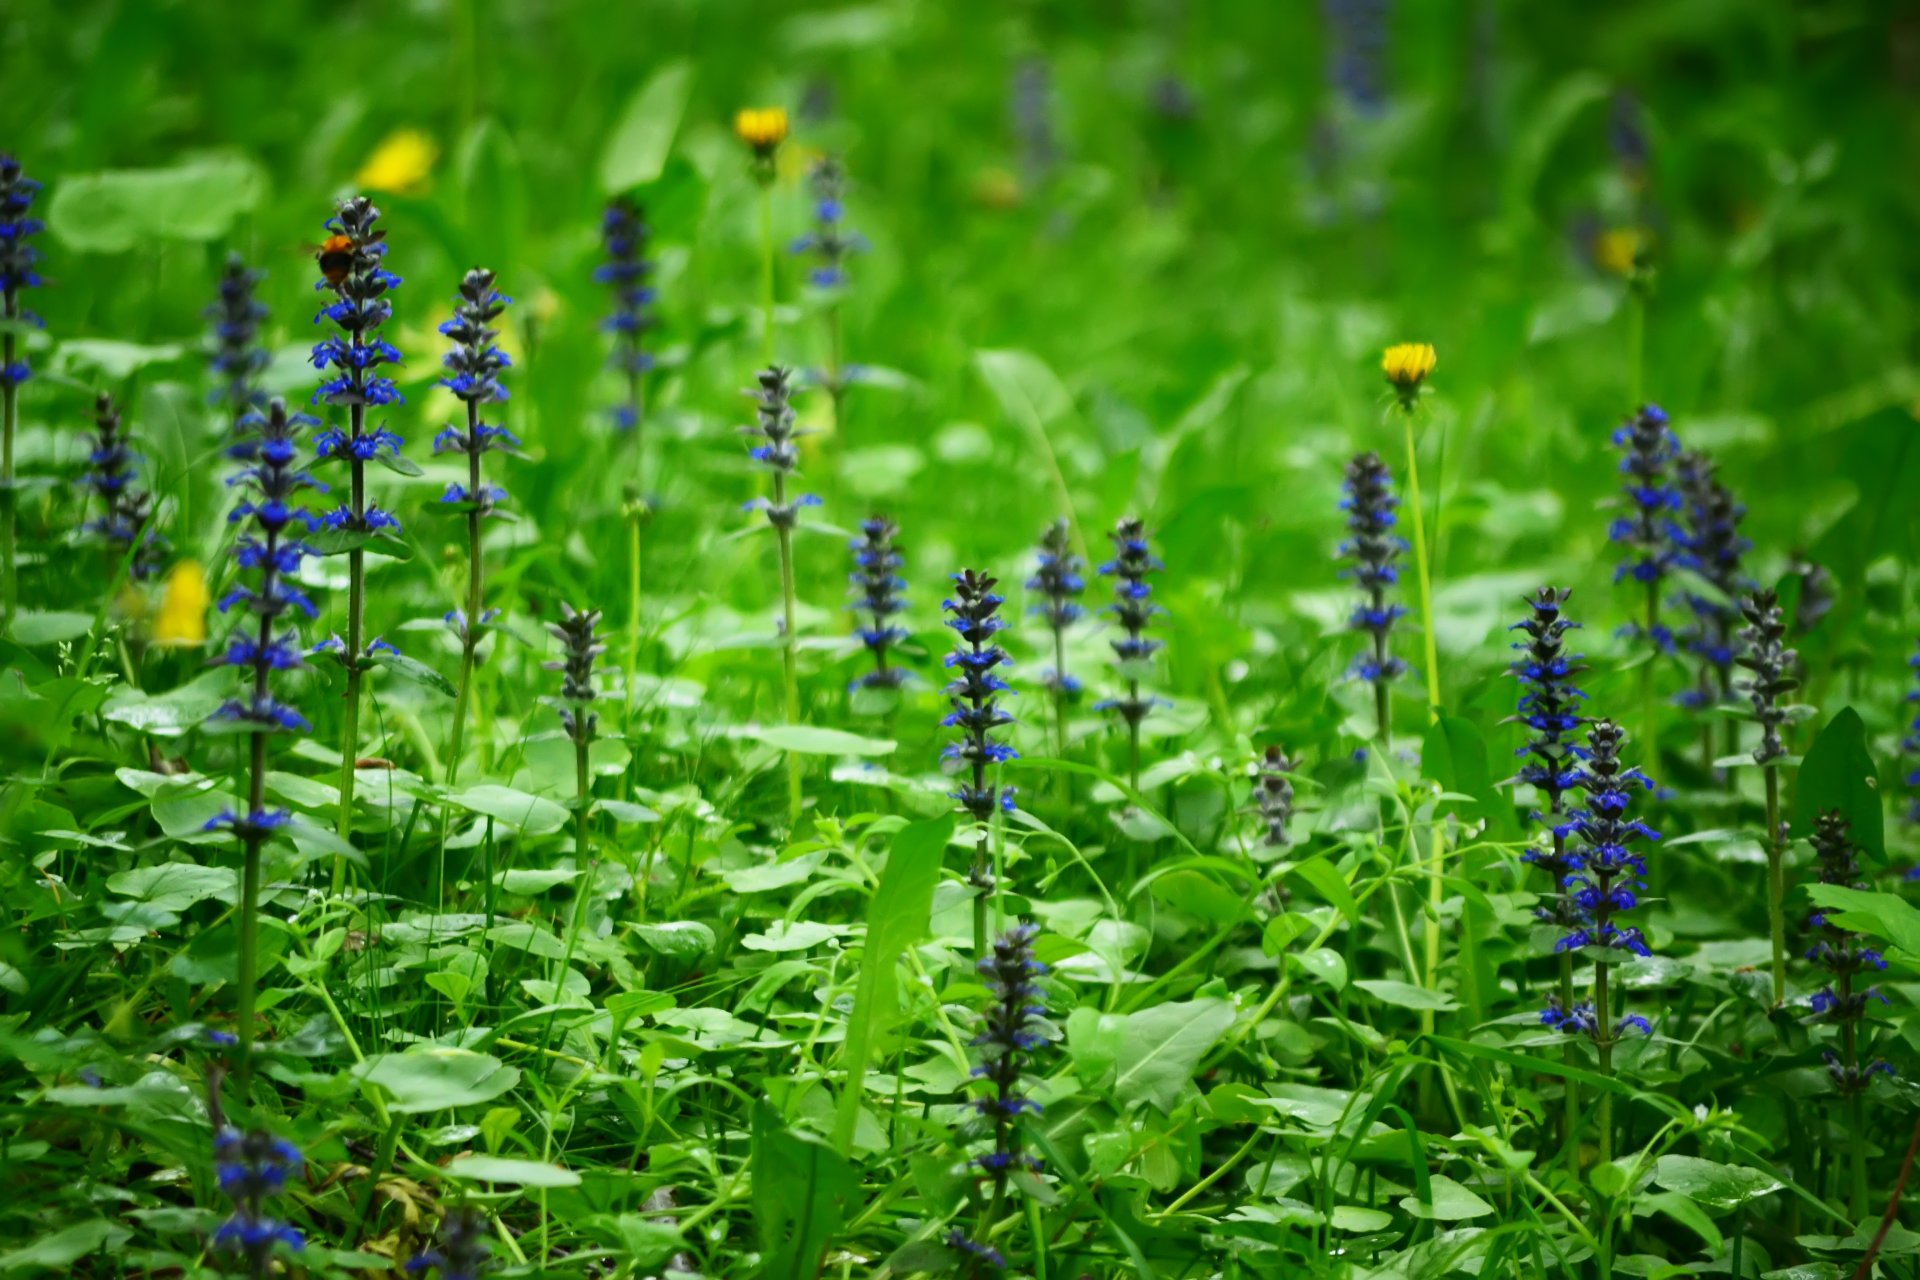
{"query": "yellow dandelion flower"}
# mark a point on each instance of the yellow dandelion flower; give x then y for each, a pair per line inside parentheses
(762, 128)
(1616, 250)
(1407, 365)
(181, 619)
(400, 164)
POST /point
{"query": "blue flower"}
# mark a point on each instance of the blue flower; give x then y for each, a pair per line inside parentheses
(461, 1251)
(237, 358)
(1133, 606)
(777, 451)
(352, 266)
(973, 696)
(830, 241)
(623, 235)
(880, 593)
(1059, 579)
(1648, 531)
(19, 260)
(251, 1169)
(127, 511)
(1710, 546)
(1373, 548)
(1012, 1032)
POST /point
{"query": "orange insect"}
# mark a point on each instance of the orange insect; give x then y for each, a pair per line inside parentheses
(335, 257)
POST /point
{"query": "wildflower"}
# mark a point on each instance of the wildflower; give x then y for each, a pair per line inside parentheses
(1133, 605)
(579, 646)
(829, 240)
(879, 593)
(1649, 531)
(237, 356)
(271, 553)
(1765, 654)
(1357, 52)
(1711, 547)
(1406, 365)
(19, 260)
(1011, 1035)
(127, 511)
(1033, 121)
(623, 234)
(763, 129)
(1840, 953)
(1273, 795)
(401, 163)
(252, 1168)
(778, 450)
(1059, 579)
(1606, 872)
(1375, 549)
(1816, 592)
(1910, 751)
(1617, 250)
(352, 267)
(974, 694)
(473, 367)
(982, 1254)
(1549, 706)
(461, 1251)
(181, 619)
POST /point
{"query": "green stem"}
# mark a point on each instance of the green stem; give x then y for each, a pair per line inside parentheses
(766, 268)
(356, 639)
(1776, 887)
(248, 977)
(1636, 343)
(9, 419)
(583, 863)
(1603, 1041)
(1570, 1055)
(789, 675)
(1428, 639)
(476, 568)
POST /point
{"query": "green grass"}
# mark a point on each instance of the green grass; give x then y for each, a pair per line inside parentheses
(686, 1024)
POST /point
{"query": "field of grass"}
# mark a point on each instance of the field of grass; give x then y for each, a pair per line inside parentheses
(1144, 639)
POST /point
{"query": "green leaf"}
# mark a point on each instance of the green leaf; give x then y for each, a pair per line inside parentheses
(1405, 994)
(1324, 877)
(898, 916)
(172, 713)
(1455, 756)
(33, 629)
(1838, 773)
(531, 814)
(1326, 964)
(810, 740)
(687, 939)
(415, 670)
(636, 151)
(1884, 915)
(65, 1247)
(510, 1173)
(1028, 391)
(1161, 1047)
(1710, 1183)
(1451, 1202)
(802, 1189)
(175, 886)
(110, 359)
(122, 209)
(437, 1078)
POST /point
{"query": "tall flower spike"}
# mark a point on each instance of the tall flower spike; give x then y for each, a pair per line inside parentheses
(473, 367)
(974, 694)
(1649, 531)
(1133, 606)
(1711, 547)
(1059, 579)
(1910, 752)
(461, 1250)
(1607, 876)
(1765, 654)
(1549, 706)
(1011, 1034)
(1374, 547)
(1842, 1001)
(626, 272)
(829, 241)
(580, 646)
(879, 593)
(352, 268)
(778, 448)
(237, 357)
(1273, 796)
(19, 261)
(252, 1168)
(126, 509)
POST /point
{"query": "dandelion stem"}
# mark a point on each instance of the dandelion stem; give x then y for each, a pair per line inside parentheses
(766, 269)
(1428, 639)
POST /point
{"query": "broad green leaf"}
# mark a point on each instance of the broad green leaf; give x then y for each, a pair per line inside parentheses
(1451, 1202)
(32, 629)
(687, 939)
(1883, 915)
(531, 814)
(175, 886)
(1324, 877)
(1710, 1183)
(437, 1078)
(510, 1173)
(173, 712)
(1455, 756)
(1160, 1048)
(636, 150)
(802, 1189)
(63, 1248)
(810, 740)
(415, 670)
(1405, 994)
(121, 209)
(898, 916)
(1838, 773)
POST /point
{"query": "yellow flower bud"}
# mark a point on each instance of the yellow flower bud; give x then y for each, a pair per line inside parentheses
(181, 619)
(762, 128)
(400, 164)
(1407, 365)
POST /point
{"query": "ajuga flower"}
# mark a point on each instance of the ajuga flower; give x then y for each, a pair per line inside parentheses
(461, 1250)
(237, 356)
(778, 450)
(126, 510)
(1649, 531)
(763, 129)
(1710, 545)
(1549, 706)
(974, 695)
(879, 593)
(1406, 366)
(18, 267)
(579, 646)
(1133, 606)
(1059, 579)
(351, 267)
(473, 367)
(829, 241)
(1273, 795)
(1765, 654)
(1816, 592)
(1374, 548)
(1910, 749)
(252, 1168)
(1842, 1000)
(626, 271)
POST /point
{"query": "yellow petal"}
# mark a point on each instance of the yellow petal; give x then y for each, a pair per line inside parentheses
(181, 620)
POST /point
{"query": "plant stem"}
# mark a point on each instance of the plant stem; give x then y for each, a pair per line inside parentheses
(766, 268)
(470, 633)
(9, 419)
(356, 639)
(1428, 639)
(790, 677)
(1776, 887)
(636, 512)
(248, 978)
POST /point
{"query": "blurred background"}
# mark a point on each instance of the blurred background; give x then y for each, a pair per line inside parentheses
(1180, 233)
